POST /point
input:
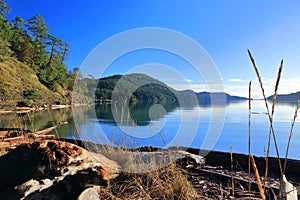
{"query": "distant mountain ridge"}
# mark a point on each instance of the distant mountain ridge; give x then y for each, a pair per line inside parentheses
(291, 98)
(153, 90)
(219, 97)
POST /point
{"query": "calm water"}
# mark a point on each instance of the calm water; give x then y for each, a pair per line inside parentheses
(206, 127)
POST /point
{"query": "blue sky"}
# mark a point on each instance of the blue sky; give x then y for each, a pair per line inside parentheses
(225, 29)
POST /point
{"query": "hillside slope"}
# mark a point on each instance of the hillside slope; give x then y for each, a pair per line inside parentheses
(19, 83)
(150, 90)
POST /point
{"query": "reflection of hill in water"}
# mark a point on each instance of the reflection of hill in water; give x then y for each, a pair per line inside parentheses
(139, 113)
(287, 103)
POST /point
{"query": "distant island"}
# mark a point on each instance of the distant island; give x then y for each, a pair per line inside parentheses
(147, 89)
(286, 98)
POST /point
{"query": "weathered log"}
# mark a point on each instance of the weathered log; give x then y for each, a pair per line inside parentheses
(45, 131)
(52, 169)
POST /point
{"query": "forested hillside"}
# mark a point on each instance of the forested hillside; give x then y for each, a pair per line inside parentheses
(150, 90)
(142, 88)
(31, 53)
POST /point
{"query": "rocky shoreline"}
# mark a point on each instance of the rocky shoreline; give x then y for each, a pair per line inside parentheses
(25, 109)
(63, 169)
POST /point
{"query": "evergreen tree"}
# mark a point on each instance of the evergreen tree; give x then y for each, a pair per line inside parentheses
(21, 42)
(31, 43)
(38, 27)
(4, 9)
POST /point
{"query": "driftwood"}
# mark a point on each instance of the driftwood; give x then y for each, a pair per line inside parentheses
(51, 169)
(241, 181)
(14, 132)
(8, 142)
(13, 142)
(45, 131)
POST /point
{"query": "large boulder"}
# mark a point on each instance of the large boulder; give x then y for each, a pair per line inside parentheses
(52, 169)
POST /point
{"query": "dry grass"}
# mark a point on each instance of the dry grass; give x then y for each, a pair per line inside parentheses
(257, 176)
(145, 177)
(271, 132)
(291, 135)
(16, 78)
(167, 183)
(272, 115)
(249, 137)
(267, 107)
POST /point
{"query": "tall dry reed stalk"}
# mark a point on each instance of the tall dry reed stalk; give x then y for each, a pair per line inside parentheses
(272, 115)
(261, 190)
(267, 107)
(249, 140)
(232, 178)
(291, 135)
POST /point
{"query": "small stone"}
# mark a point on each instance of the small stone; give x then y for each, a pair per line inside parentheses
(90, 194)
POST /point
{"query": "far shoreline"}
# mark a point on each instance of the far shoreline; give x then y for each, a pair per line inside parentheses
(20, 110)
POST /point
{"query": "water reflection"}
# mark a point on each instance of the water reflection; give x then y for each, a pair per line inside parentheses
(39, 120)
(140, 114)
(156, 126)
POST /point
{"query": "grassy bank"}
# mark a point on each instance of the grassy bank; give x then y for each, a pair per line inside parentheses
(19, 83)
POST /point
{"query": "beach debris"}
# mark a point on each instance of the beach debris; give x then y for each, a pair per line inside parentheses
(91, 193)
(189, 158)
(52, 169)
(12, 137)
(289, 191)
(63, 122)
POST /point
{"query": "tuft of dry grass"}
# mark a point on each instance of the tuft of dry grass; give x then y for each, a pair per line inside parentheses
(144, 177)
(271, 132)
(167, 183)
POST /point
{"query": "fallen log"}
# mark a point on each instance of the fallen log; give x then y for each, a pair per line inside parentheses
(7, 142)
(52, 169)
(14, 132)
(45, 131)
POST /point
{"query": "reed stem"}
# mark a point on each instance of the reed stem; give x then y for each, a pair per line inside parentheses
(261, 190)
(232, 178)
(272, 115)
(291, 135)
(249, 140)
(267, 107)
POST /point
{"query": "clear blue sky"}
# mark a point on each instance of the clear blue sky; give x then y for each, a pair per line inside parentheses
(225, 29)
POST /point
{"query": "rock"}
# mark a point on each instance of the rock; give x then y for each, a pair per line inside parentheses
(90, 194)
(142, 162)
(52, 169)
(290, 191)
(189, 158)
(63, 122)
